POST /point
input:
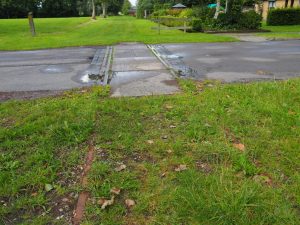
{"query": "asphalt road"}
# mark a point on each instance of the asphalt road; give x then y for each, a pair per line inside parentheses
(53, 69)
(60, 69)
(235, 62)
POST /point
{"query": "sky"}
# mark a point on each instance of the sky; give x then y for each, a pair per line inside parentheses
(133, 2)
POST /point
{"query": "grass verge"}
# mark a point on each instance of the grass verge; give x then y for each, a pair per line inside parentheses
(237, 145)
(62, 32)
(282, 32)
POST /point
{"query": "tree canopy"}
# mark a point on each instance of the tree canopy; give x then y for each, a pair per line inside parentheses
(56, 8)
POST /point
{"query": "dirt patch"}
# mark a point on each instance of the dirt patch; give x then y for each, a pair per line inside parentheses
(5, 96)
(170, 82)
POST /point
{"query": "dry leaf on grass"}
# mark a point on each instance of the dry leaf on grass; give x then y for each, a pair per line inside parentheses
(263, 178)
(106, 202)
(239, 146)
(129, 203)
(181, 168)
(163, 175)
(169, 107)
(172, 126)
(169, 151)
(120, 168)
(115, 191)
(150, 142)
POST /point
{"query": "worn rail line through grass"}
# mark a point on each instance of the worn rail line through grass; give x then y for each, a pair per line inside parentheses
(84, 195)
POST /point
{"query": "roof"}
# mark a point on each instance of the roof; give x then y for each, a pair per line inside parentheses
(179, 6)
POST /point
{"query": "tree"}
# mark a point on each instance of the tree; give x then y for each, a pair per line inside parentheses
(126, 7)
(217, 9)
(94, 10)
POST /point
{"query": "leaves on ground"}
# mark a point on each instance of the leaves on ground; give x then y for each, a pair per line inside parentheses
(120, 168)
(129, 203)
(106, 202)
(180, 168)
(239, 146)
(115, 191)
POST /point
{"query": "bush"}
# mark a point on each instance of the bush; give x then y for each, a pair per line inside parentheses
(171, 21)
(250, 20)
(197, 25)
(158, 13)
(244, 21)
(186, 13)
(287, 16)
(174, 12)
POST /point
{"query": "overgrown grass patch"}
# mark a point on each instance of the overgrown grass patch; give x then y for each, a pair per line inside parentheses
(215, 154)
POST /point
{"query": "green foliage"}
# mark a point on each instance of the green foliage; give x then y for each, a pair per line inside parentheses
(250, 20)
(54, 8)
(170, 21)
(235, 19)
(186, 13)
(197, 25)
(126, 6)
(287, 16)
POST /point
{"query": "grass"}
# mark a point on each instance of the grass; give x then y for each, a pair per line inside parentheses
(43, 140)
(62, 32)
(282, 32)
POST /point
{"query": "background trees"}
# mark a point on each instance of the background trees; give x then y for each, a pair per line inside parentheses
(58, 8)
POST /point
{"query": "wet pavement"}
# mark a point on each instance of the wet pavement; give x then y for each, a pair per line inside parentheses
(137, 72)
(45, 70)
(234, 62)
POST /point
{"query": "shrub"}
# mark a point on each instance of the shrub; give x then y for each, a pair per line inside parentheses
(158, 13)
(171, 21)
(287, 16)
(203, 13)
(186, 13)
(250, 20)
(174, 12)
(197, 25)
(245, 21)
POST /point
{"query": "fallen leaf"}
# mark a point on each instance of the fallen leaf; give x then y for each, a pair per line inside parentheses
(48, 187)
(239, 146)
(120, 168)
(172, 126)
(115, 191)
(181, 168)
(263, 178)
(129, 203)
(106, 202)
(150, 142)
(169, 151)
(169, 107)
(163, 175)
(34, 194)
(292, 112)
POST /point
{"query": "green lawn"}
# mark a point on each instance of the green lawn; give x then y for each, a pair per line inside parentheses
(282, 32)
(204, 128)
(61, 32)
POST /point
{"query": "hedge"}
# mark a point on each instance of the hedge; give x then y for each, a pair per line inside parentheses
(286, 16)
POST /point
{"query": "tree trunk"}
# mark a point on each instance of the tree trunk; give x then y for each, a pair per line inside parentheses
(286, 3)
(226, 6)
(104, 9)
(217, 9)
(94, 10)
(292, 3)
